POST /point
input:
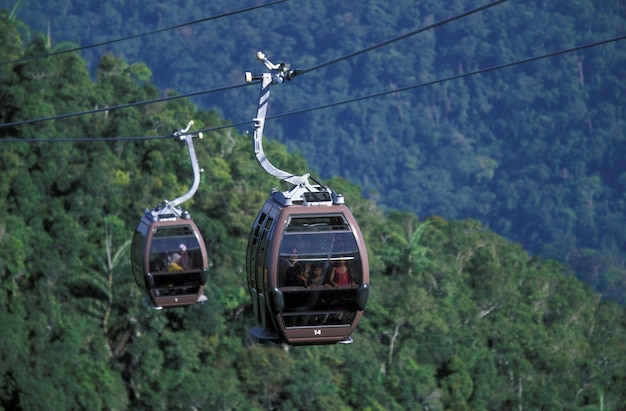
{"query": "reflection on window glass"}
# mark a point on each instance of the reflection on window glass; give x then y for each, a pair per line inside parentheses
(317, 223)
(175, 249)
(319, 259)
(324, 307)
(176, 284)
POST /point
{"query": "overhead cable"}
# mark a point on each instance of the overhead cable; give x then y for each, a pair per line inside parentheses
(104, 43)
(365, 50)
(456, 77)
(306, 110)
(127, 105)
(404, 36)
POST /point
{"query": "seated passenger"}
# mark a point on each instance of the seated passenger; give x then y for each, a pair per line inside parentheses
(184, 257)
(174, 265)
(341, 275)
(285, 265)
(160, 263)
(317, 276)
(298, 276)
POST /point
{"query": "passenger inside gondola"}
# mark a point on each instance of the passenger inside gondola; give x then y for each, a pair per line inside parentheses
(184, 257)
(160, 263)
(171, 255)
(287, 264)
(175, 264)
(341, 275)
(298, 276)
(318, 277)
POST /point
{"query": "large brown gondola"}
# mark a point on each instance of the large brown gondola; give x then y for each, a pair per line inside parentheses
(301, 234)
(168, 255)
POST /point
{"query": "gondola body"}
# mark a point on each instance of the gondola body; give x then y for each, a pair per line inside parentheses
(169, 261)
(306, 230)
(300, 313)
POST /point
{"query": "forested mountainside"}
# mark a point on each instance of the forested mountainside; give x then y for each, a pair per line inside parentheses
(533, 151)
(458, 317)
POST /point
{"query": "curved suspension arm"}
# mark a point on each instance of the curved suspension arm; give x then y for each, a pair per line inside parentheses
(182, 135)
(281, 73)
(302, 191)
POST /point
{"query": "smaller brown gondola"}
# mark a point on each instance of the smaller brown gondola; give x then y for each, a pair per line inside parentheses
(168, 256)
(307, 265)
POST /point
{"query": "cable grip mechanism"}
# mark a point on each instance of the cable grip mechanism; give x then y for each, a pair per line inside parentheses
(281, 71)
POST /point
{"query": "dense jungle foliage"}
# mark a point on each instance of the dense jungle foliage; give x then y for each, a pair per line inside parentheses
(535, 152)
(458, 317)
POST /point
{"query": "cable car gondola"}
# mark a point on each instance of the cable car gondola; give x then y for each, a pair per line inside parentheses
(168, 255)
(306, 266)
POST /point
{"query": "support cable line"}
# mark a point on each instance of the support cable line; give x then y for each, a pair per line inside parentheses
(456, 77)
(329, 105)
(105, 43)
(110, 139)
(121, 106)
(404, 36)
(328, 63)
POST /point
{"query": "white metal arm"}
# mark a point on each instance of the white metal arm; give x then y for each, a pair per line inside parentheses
(301, 183)
(171, 209)
(188, 138)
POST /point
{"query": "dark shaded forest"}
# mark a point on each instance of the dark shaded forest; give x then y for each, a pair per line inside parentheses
(534, 151)
(458, 318)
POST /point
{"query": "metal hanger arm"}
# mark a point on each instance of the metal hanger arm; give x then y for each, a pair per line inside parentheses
(259, 125)
(182, 135)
